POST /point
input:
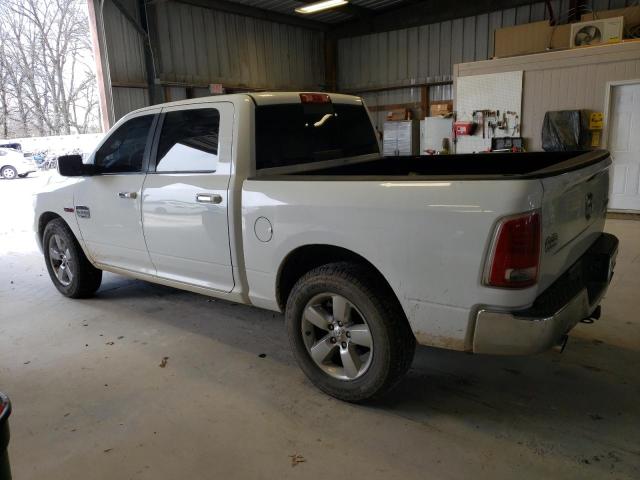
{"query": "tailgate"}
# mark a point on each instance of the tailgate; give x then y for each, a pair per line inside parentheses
(574, 208)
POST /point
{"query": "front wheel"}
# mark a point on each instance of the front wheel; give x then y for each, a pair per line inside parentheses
(9, 173)
(69, 269)
(348, 334)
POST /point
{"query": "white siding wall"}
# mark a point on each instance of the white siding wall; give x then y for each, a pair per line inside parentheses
(565, 80)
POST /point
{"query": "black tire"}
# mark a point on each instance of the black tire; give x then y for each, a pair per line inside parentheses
(9, 172)
(393, 342)
(86, 278)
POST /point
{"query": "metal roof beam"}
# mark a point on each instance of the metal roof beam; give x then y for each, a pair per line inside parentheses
(130, 18)
(254, 12)
(414, 13)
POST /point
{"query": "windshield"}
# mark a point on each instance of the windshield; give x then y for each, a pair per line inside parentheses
(293, 134)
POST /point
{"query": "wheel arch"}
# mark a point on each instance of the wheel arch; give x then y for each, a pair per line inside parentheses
(86, 276)
(43, 221)
(307, 257)
(46, 217)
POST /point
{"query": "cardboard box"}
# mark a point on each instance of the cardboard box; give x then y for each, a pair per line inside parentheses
(442, 108)
(631, 16)
(530, 38)
(397, 114)
(539, 37)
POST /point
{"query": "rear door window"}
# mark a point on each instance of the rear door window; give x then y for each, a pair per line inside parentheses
(293, 134)
(189, 141)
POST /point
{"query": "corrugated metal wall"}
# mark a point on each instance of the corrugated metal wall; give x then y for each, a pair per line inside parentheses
(427, 53)
(407, 96)
(423, 54)
(127, 99)
(563, 80)
(198, 46)
(125, 51)
(201, 46)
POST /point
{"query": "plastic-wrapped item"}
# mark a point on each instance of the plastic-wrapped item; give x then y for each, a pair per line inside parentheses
(565, 131)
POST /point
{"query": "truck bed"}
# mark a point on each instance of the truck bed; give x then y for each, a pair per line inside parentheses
(495, 166)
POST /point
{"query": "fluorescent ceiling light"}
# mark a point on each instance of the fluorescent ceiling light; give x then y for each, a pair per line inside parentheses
(320, 6)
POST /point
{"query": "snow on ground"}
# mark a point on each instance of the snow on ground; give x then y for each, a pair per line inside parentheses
(59, 144)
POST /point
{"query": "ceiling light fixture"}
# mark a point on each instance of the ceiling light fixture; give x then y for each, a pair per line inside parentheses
(320, 6)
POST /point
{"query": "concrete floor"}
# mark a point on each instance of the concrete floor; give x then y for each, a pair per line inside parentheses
(91, 401)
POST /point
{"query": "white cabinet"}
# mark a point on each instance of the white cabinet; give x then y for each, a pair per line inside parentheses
(400, 138)
(432, 131)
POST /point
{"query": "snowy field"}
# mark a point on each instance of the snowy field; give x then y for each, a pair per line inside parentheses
(58, 144)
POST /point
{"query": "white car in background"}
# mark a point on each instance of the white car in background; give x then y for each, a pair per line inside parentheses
(14, 164)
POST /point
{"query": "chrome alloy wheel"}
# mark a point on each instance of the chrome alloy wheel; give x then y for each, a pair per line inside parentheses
(60, 259)
(337, 336)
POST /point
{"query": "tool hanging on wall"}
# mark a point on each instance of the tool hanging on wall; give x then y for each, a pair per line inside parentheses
(489, 121)
(492, 127)
(507, 121)
(516, 126)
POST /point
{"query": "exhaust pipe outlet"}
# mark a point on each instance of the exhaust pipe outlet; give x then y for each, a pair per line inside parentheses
(561, 344)
(595, 315)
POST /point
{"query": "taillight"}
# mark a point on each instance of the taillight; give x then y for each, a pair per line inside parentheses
(4, 406)
(515, 254)
(315, 98)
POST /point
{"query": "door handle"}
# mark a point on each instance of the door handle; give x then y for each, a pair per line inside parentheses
(132, 195)
(208, 198)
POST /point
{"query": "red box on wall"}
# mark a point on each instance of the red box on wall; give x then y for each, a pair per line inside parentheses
(464, 128)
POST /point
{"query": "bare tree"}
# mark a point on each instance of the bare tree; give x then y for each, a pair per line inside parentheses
(47, 83)
(4, 101)
(4, 84)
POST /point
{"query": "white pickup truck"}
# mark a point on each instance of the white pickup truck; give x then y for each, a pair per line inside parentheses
(283, 201)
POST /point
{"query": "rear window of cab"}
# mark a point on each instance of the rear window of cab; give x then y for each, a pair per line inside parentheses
(294, 134)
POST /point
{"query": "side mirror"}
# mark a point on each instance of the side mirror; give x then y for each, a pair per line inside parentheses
(72, 166)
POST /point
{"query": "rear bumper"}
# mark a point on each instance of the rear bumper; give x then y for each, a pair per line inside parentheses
(573, 297)
(23, 169)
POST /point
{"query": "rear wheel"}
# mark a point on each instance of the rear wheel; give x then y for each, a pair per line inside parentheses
(9, 172)
(349, 335)
(69, 269)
